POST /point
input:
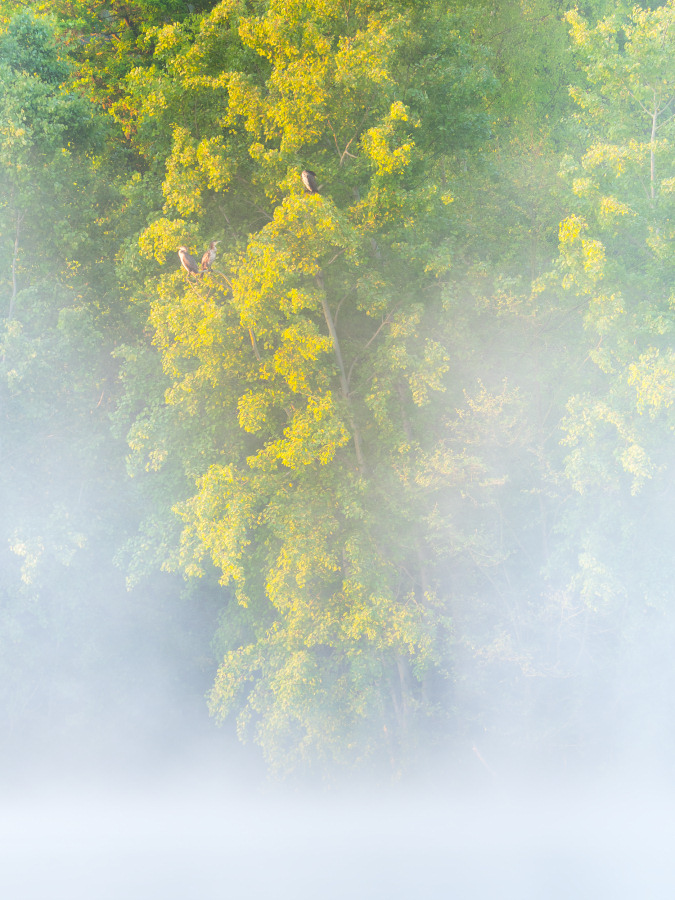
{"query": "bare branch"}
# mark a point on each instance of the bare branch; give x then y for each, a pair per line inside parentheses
(344, 153)
(254, 344)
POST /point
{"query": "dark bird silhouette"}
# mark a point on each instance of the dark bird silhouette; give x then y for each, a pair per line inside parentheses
(187, 261)
(209, 257)
(309, 181)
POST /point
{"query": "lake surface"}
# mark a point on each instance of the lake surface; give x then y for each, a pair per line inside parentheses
(198, 841)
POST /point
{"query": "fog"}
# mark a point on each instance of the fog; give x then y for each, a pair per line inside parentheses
(519, 726)
(115, 782)
(121, 786)
(163, 805)
(183, 837)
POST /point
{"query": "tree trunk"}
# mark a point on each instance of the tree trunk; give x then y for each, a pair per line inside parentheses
(15, 255)
(343, 376)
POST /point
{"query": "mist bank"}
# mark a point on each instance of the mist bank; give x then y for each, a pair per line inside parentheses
(201, 839)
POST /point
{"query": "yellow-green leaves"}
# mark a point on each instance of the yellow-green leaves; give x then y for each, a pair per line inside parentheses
(390, 152)
(182, 187)
(628, 111)
(276, 281)
(299, 365)
(653, 377)
(314, 434)
(219, 520)
(162, 238)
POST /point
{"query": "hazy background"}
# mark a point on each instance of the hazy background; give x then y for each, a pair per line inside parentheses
(443, 657)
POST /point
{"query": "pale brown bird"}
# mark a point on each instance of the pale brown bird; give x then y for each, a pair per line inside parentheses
(188, 263)
(209, 257)
(309, 181)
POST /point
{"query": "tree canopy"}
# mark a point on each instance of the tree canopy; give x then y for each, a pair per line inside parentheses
(408, 434)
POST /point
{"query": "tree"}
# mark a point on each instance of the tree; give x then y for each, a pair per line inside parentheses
(616, 266)
(55, 378)
(302, 370)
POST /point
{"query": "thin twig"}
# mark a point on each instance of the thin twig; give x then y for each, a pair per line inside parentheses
(386, 321)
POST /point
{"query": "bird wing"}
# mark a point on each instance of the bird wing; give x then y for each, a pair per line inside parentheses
(189, 262)
(310, 182)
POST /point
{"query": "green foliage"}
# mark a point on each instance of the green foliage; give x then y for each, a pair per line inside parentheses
(29, 46)
(407, 432)
(309, 345)
(616, 263)
(615, 252)
(55, 379)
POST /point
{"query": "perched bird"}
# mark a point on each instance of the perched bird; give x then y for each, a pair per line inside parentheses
(187, 261)
(209, 257)
(309, 181)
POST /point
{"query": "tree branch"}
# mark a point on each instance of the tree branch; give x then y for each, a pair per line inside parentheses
(385, 321)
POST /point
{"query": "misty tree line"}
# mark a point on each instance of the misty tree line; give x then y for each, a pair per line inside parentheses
(396, 473)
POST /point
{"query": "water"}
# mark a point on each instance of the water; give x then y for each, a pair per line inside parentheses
(186, 839)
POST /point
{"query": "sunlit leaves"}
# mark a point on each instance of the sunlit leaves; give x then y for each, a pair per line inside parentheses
(301, 368)
(653, 377)
(614, 259)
